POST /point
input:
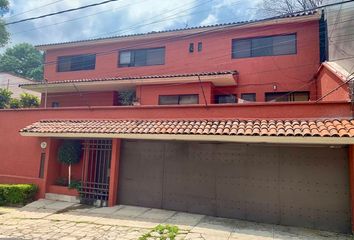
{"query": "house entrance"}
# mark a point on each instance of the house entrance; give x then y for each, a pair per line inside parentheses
(95, 172)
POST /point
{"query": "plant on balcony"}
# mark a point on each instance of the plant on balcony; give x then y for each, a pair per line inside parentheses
(69, 153)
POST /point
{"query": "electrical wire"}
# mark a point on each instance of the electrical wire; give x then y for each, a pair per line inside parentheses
(59, 12)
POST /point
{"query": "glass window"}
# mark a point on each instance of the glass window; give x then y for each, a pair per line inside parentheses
(55, 104)
(287, 96)
(142, 57)
(249, 97)
(284, 45)
(125, 57)
(179, 99)
(200, 46)
(229, 98)
(264, 46)
(191, 47)
(76, 63)
(241, 48)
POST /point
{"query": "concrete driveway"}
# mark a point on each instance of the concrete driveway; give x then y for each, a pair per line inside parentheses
(45, 219)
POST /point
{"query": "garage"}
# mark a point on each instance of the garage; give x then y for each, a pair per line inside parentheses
(305, 186)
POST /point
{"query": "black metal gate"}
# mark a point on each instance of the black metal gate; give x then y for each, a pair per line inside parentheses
(95, 172)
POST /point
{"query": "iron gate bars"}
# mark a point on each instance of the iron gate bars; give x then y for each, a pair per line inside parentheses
(95, 171)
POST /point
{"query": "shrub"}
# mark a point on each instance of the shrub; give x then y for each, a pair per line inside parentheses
(17, 194)
(5, 98)
(162, 232)
(70, 153)
(28, 100)
(15, 103)
(126, 98)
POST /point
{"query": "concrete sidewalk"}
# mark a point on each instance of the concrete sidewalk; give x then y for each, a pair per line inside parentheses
(45, 219)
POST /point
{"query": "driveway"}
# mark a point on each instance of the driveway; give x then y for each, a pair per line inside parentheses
(45, 219)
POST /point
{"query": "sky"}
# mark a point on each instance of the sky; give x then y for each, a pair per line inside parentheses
(118, 18)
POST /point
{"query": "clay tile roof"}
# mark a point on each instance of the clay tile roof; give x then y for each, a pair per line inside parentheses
(343, 128)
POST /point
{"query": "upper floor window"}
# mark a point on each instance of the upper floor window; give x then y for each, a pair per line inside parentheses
(76, 62)
(264, 46)
(178, 99)
(287, 96)
(142, 57)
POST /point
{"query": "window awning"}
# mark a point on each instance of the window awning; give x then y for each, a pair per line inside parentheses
(323, 131)
(222, 78)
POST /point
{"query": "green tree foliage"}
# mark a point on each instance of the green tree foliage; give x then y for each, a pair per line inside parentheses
(5, 98)
(126, 98)
(23, 60)
(4, 35)
(28, 100)
(70, 152)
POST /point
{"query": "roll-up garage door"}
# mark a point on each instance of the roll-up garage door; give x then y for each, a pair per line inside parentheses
(293, 185)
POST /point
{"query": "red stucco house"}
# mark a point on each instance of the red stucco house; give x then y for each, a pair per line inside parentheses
(238, 120)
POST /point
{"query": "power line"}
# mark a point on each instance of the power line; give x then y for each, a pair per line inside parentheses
(21, 13)
(60, 12)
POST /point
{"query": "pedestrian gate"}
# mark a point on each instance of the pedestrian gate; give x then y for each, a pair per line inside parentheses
(95, 172)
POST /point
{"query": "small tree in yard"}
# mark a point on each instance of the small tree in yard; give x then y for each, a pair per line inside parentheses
(5, 98)
(28, 100)
(70, 153)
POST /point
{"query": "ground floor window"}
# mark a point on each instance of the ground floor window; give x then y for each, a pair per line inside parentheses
(226, 98)
(178, 99)
(287, 96)
(249, 97)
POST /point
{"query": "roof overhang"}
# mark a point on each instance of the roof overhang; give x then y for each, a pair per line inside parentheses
(182, 32)
(203, 138)
(227, 79)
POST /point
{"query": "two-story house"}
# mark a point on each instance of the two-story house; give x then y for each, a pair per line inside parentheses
(237, 120)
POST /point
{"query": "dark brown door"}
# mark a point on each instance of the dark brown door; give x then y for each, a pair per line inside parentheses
(304, 186)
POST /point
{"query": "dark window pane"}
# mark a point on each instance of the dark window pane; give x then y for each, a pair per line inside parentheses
(300, 96)
(249, 97)
(188, 99)
(191, 47)
(262, 46)
(284, 44)
(155, 56)
(76, 63)
(277, 97)
(200, 46)
(226, 98)
(168, 100)
(140, 58)
(55, 104)
(41, 165)
(241, 48)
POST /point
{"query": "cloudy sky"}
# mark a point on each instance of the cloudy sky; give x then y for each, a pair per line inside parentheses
(118, 18)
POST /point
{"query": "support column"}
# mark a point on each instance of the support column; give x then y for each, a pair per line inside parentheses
(351, 183)
(114, 172)
(50, 163)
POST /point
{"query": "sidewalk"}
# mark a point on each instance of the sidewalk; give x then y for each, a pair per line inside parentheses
(45, 219)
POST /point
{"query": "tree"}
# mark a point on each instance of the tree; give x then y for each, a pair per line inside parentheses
(69, 153)
(4, 35)
(28, 100)
(279, 7)
(23, 60)
(15, 103)
(5, 98)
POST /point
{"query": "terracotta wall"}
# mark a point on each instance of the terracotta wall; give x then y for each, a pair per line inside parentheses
(327, 81)
(81, 99)
(257, 74)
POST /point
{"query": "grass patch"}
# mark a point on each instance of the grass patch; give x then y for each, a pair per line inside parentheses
(161, 232)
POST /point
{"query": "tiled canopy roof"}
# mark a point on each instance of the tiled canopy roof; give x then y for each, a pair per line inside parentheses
(343, 128)
(136, 77)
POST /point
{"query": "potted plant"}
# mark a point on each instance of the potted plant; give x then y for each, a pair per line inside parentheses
(69, 153)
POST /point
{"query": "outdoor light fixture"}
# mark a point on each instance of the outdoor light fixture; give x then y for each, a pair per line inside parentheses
(43, 145)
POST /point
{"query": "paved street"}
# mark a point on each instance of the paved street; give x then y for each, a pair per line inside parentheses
(46, 219)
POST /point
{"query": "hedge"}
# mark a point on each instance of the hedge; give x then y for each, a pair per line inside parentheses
(17, 194)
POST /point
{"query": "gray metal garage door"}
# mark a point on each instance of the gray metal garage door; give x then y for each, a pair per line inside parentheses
(288, 185)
